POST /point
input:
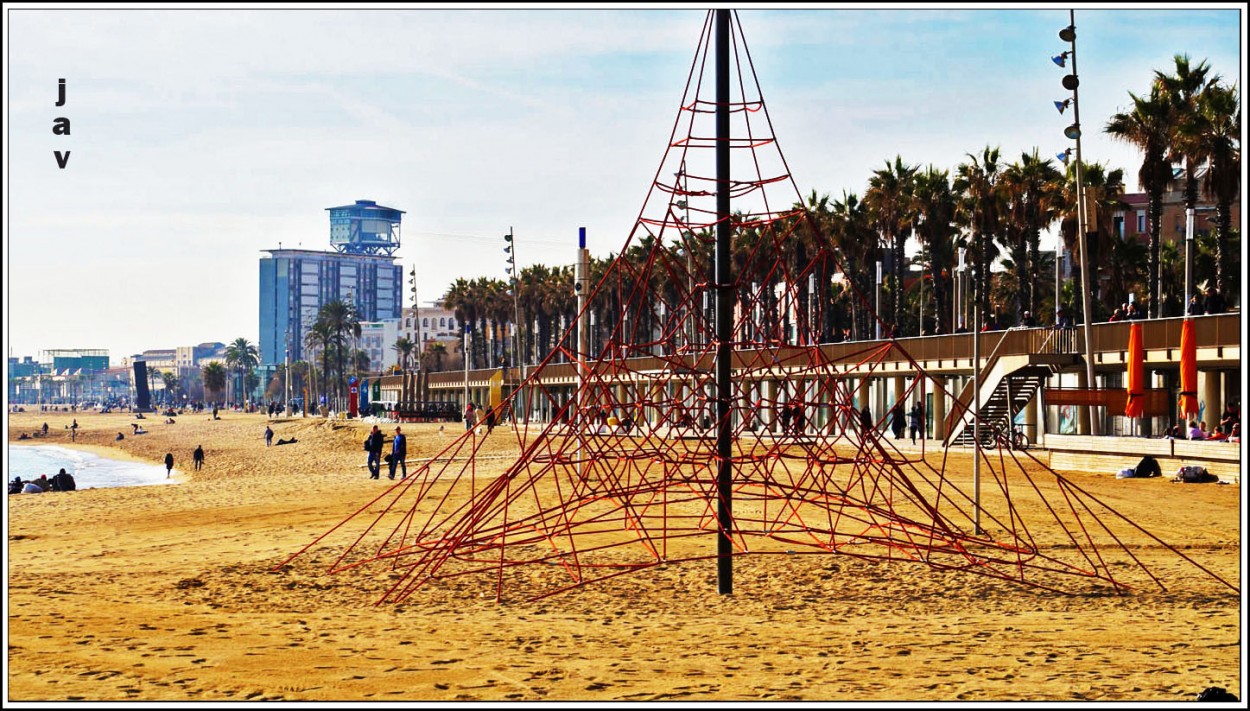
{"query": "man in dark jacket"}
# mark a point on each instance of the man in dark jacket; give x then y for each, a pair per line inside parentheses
(399, 450)
(63, 481)
(374, 446)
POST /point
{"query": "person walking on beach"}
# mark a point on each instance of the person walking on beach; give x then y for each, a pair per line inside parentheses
(374, 446)
(399, 450)
(470, 417)
(169, 464)
(914, 418)
(268, 436)
(197, 457)
(865, 420)
(896, 420)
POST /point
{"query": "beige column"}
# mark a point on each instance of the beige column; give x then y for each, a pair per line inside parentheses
(768, 408)
(1211, 394)
(900, 386)
(1033, 418)
(939, 407)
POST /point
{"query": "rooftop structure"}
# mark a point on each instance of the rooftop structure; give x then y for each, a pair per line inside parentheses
(365, 228)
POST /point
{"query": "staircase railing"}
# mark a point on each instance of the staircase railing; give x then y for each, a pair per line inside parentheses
(962, 404)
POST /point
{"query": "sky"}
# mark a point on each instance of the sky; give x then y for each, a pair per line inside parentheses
(201, 137)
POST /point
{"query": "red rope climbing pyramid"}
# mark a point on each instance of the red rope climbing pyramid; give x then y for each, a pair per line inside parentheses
(624, 477)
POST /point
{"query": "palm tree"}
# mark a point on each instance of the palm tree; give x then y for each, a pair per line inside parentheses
(935, 207)
(171, 384)
(1104, 190)
(1034, 192)
(1183, 90)
(437, 352)
(982, 207)
(1149, 126)
(241, 356)
(341, 321)
(889, 200)
(403, 346)
(1220, 146)
(214, 376)
(856, 245)
(464, 303)
(319, 339)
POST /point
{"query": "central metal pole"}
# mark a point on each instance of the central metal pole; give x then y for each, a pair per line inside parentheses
(976, 414)
(724, 316)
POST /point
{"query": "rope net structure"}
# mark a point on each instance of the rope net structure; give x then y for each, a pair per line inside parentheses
(624, 476)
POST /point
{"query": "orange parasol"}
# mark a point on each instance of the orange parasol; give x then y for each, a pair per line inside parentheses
(1189, 370)
(1136, 373)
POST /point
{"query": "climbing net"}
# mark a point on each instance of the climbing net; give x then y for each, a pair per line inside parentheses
(624, 475)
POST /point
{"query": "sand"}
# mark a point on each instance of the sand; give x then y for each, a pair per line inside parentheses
(169, 593)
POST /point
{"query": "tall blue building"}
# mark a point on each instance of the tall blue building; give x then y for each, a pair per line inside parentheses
(295, 283)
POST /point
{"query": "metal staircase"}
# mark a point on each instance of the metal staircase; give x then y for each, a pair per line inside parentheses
(1008, 385)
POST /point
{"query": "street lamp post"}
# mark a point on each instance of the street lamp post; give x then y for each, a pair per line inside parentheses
(517, 358)
(1073, 132)
(416, 325)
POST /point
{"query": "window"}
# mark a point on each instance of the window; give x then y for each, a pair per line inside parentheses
(442, 323)
(409, 322)
(1141, 222)
(1119, 227)
(451, 323)
(425, 323)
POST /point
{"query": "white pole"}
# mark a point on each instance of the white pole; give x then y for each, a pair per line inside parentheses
(1189, 245)
(976, 414)
(878, 299)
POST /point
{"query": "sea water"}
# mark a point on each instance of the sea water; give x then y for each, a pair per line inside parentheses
(89, 470)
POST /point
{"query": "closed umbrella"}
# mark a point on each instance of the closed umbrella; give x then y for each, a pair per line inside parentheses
(1136, 373)
(1189, 370)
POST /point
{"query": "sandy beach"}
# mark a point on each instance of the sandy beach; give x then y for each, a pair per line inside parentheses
(169, 593)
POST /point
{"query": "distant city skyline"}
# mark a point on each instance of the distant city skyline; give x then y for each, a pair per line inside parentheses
(202, 137)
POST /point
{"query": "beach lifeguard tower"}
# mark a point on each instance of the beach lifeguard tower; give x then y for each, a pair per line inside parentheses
(365, 228)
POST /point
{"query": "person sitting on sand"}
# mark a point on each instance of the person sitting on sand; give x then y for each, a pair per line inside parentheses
(169, 420)
(140, 416)
(63, 481)
(286, 441)
(15, 486)
(119, 437)
(23, 436)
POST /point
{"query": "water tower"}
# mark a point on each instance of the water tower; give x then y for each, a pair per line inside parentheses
(365, 228)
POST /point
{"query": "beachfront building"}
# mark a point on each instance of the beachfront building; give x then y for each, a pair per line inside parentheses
(436, 324)
(377, 339)
(61, 376)
(296, 283)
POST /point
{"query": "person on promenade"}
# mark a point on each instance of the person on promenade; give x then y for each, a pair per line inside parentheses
(1195, 306)
(785, 419)
(63, 481)
(399, 451)
(197, 457)
(1235, 435)
(373, 445)
(896, 420)
(1214, 301)
(268, 436)
(1195, 432)
(1230, 417)
(169, 464)
(914, 417)
(1132, 312)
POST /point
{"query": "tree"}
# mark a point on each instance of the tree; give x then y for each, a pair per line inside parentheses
(1149, 126)
(982, 204)
(403, 346)
(339, 322)
(214, 376)
(241, 356)
(1220, 146)
(171, 385)
(318, 339)
(1105, 191)
(889, 201)
(935, 205)
(1034, 191)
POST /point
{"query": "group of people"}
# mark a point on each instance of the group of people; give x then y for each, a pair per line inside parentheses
(1127, 312)
(912, 419)
(397, 457)
(475, 415)
(1210, 302)
(61, 481)
(1228, 430)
